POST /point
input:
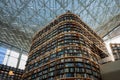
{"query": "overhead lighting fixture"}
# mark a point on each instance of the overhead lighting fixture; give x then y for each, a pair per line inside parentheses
(11, 73)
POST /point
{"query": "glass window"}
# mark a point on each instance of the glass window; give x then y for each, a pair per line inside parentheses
(5, 60)
(14, 54)
(2, 54)
(22, 64)
(1, 58)
(24, 57)
(12, 61)
(9, 56)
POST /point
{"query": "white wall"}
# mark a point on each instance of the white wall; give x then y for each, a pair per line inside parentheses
(113, 40)
(111, 71)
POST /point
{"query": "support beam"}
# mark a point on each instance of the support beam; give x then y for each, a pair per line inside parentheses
(106, 28)
(18, 12)
(15, 35)
(111, 31)
(88, 12)
(20, 55)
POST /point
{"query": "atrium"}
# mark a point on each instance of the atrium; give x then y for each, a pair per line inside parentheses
(21, 20)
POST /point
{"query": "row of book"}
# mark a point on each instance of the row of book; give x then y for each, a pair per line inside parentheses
(10, 73)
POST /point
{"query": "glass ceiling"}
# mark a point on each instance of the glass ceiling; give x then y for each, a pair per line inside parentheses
(20, 19)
